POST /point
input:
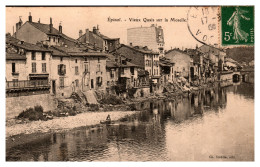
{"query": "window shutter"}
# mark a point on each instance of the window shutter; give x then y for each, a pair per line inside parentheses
(58, 69)
(64, 69)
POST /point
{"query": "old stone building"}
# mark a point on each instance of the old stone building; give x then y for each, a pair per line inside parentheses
(152, 37)
(76, 70)
(121, 71)
(37, 32)
(183, 62)
(216, 55)
(26, 64)
(98, 40)
(143, 57)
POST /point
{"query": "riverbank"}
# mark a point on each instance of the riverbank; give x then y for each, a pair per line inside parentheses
(16, 127)
(64, 123)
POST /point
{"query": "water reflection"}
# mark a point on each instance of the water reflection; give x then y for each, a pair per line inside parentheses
(164, 130)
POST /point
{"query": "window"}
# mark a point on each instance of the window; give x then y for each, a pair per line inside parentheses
(43, 67)
(77, 82)
(132, 70)
(85, 67)
(122, 71)
(54, 39)
(98, 60)
(86, 59)
(43, 56)
(33, 67)
(33, 56)
(58, 40)
(76, 60)
(98, 67)
(99, 81)
(62, 82)
(61, 59)
(50, 39)
(76, 70)
(112, 74)
(13, 67)
(61, 69)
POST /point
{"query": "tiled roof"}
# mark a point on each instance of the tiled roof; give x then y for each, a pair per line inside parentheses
(27, 46)
(46, 29)
(165, 62)
(74, 51)
(106, 38)
(15, 56)
(141, 49)
(178, 50)
(56, 52)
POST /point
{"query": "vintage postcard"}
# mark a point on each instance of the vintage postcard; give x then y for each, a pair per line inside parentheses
(165, 83)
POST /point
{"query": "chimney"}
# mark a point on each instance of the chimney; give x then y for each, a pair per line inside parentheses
(20, 22)
(30, 17)
(94, 30)
(80, 33)
(60, 28)
(97, 30)
(51, 25)
(131, 44)
(39, 20)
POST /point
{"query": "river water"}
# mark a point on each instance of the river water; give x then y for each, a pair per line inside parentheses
(214, 124)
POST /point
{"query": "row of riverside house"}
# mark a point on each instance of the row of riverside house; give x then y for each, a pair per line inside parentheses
(41, 58)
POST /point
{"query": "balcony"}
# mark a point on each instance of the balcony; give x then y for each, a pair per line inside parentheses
(27, 84)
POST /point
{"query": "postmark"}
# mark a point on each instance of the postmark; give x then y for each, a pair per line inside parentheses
(203, 24)
(237, 25)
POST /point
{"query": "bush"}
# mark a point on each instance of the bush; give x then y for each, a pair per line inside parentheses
(111, 99)
(93, 107)
(33, 114)
(132, 107)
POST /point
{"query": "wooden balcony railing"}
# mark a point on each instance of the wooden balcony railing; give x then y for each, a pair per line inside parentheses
(27, 84)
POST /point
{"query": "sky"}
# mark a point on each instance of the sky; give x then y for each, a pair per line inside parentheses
(73, 19)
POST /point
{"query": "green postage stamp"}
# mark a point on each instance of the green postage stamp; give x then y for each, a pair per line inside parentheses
(237, 25)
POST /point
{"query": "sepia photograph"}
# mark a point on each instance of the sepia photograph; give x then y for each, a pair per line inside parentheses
(129, 83)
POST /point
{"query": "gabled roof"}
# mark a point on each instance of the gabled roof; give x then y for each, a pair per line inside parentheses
(177, 50)
(111, 62)
(163, 61)
(75, 51)
(45, 28)
(140, 49)
(100, 35)
(24, 45)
